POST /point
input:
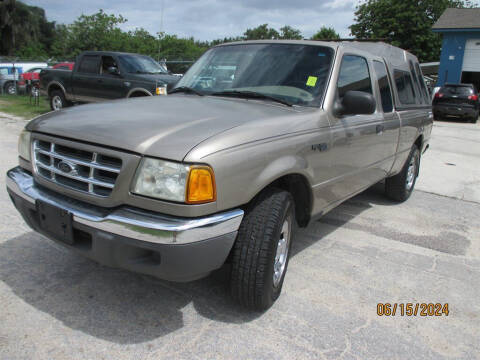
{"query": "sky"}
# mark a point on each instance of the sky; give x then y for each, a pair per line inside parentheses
(210, 19)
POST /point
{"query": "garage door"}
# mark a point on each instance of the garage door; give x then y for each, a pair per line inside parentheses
(471, 58)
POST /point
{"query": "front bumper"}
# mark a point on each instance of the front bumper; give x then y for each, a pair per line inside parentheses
(171, 248)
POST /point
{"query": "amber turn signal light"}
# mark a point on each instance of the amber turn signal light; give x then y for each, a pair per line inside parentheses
(201, 185)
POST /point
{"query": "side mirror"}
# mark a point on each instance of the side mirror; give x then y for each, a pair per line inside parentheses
(113, 70)
(356, 103)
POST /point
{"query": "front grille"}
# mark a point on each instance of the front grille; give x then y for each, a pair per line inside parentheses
(87, 171)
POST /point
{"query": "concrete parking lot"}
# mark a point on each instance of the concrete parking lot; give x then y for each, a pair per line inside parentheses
(56, 305)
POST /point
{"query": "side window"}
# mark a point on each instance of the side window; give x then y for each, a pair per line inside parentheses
(416, 85)
(403, 82)
(384, 85)
(423, 87)
(107, 62)
(354, 75)
(89, 64)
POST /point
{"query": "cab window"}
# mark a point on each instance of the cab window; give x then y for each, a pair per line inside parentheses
(89, 64)
(354, 75)
(384, 86)
(107, 62)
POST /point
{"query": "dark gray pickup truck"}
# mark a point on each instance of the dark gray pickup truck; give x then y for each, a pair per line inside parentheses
(256, 139)
(99, 76)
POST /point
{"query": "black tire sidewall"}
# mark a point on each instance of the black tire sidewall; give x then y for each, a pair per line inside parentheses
(254, 251)
(395, 186)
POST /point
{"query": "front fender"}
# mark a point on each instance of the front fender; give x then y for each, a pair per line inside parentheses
(285, 165)
(240, 178)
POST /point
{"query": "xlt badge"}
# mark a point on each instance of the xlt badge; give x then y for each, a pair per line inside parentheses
(320, 147)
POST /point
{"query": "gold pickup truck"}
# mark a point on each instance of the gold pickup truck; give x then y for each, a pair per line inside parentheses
(257, 138)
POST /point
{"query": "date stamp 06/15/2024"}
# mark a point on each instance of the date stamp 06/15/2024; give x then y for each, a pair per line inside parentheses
(412, 309)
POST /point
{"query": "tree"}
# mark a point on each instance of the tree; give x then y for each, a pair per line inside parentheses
(289, 33)
(406, 24)
(261, 32)
(99, 31)
(326, 33)
(24, 30)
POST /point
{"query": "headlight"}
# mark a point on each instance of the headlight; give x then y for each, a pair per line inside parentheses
(161, 90)
(174, 181)
(24, 145)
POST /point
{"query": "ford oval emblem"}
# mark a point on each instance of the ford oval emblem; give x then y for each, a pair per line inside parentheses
(67, 167)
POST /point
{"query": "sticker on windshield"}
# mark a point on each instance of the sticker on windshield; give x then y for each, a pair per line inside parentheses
(312, 81)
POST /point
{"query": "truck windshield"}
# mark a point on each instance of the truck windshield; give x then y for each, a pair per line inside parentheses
(139, 64)
(293, 73)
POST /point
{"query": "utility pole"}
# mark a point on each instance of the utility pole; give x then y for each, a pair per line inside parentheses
(161, 31)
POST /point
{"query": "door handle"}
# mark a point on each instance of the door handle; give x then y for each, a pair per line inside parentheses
(379, 129)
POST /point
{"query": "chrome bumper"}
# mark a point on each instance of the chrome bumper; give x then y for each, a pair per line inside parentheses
(129, 222)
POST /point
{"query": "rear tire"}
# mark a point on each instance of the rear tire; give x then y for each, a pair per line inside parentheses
(10, 88)
(399, 187)
(474, 119)
(57, 100)
(262, 250)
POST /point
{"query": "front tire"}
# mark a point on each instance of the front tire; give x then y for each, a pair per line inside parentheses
(399, 187)
(262, 250)
(57, 100)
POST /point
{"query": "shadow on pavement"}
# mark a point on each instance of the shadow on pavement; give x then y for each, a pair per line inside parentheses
(338, 217)
(106, 303)
(118, 305)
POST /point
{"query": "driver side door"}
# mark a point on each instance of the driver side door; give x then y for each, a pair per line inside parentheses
(110, 86)
(357, 149)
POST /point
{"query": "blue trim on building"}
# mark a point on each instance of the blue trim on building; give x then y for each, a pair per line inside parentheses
(455, 30)
(453, 49)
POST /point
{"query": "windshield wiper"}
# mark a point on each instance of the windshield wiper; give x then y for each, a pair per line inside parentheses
(250, 95)
(146, 72)
(186, 89)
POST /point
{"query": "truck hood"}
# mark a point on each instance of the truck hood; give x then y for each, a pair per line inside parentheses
(162, 126)
(160, 78)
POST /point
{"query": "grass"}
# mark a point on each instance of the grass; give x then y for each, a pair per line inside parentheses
(19, 105)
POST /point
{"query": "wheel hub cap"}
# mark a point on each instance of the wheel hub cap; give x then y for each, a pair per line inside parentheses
(412, 170)
(57, 102)
(282, 253)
